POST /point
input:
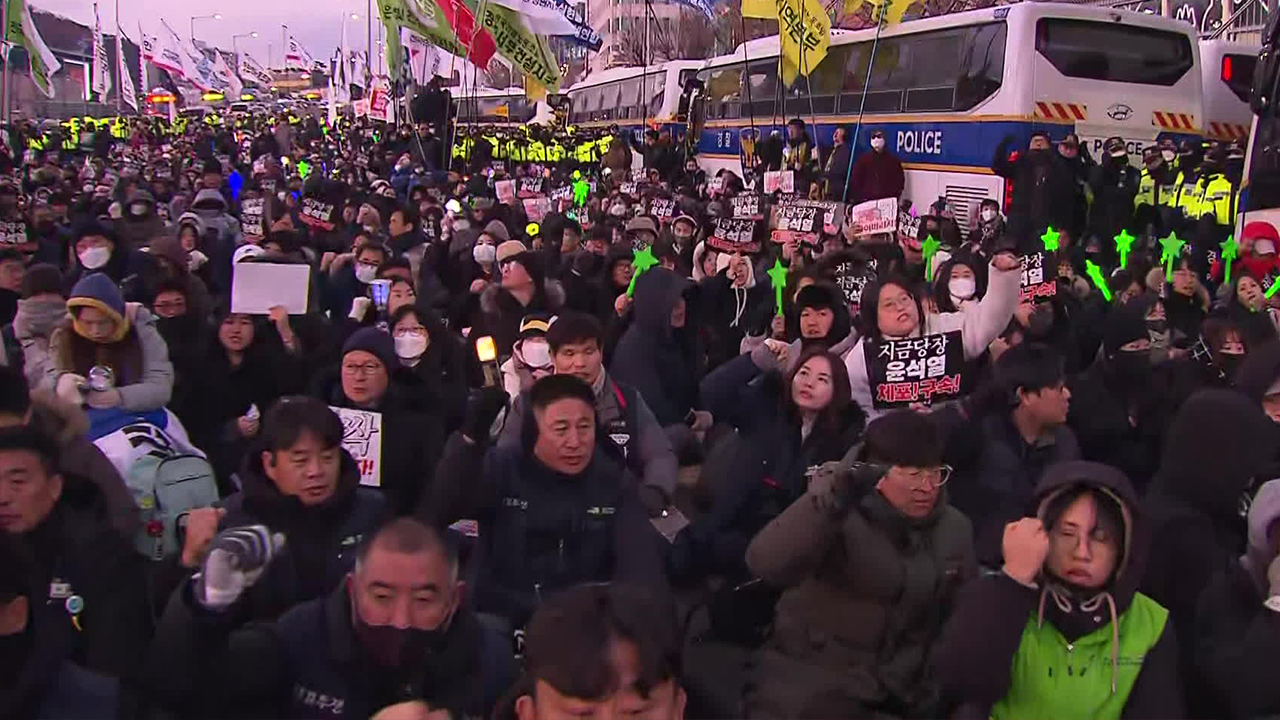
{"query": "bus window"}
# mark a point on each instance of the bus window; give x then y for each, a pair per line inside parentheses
(656, 85)
(981, 65)
(762, 87)
(1112, 52)
(1237, 73)
(609, 101)
(933, 66)
(590, 103)
(1264, 165)
(822, 86)
(724, 92)
(888, 78)
(629, 99)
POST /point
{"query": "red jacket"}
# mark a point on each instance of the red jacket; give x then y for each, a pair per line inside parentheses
(876, 175)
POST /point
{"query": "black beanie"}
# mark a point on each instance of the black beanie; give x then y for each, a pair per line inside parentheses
(1124, 325)
(41, 279)
(212, 167)
(377, 343)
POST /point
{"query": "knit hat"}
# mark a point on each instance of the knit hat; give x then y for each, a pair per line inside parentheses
(211, 167)
(1124, 325)
(509, 249)
(99, 292)
(94, 227)
(498, 231)
(643, 223)
(377, 343)
(247, 252)
(41, 279)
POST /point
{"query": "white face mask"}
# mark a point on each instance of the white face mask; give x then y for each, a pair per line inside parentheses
(535, 352)
(877, 143)
(1264, 247)
(409, 347)
(365, 273)
(484, 253)
(988, 215)
(1167, 155)
(95, 257)
(963, 287)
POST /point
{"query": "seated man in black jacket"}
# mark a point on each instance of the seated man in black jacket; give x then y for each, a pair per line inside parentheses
(394, 631)
(552, 512)
(73, 610)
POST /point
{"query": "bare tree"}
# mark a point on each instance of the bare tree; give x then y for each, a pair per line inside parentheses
(498, 75)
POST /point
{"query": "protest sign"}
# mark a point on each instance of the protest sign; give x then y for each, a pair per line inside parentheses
(251, 218)
(914, 370)
(530, 187)
(1033, 283)
(794, 221)
(362, 437)
(852, 278)
(13, 234)
(733, 236)
(908, 225)
(637, 174)
(535, 208)
(779, 181)
(662, 208)
(562, 193)
(506, 191)
(715, 186)
(630, 189)
(256, 287)
(874, 216)
(746, 206)
(317, 213)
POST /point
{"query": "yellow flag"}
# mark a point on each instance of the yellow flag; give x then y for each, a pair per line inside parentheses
(534, 90)
(805, 32)
(759, 9)
(891, 10)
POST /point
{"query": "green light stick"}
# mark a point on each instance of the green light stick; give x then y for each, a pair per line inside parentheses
(1229, 249)
(778, 281)
(1172, 248)
(1095, 274)
(1050, 239)
(1124, 242)
(641, 260)
(929, 248)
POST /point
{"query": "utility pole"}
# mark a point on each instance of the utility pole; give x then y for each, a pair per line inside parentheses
(284, 46)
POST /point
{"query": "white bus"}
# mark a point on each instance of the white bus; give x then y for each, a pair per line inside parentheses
(632, 96)
(500, 107)
(946, 90)
(1226, 74)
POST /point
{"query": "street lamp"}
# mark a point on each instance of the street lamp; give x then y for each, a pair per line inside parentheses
(234, 38)
(194, 18)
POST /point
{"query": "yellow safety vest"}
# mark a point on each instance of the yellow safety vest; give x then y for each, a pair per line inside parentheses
(536, 152)
(1218, 199)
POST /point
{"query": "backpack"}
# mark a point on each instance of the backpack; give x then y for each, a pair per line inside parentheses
(165, 488)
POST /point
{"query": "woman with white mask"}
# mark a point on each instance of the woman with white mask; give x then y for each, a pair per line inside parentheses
(956, 284)
(433, 363)
(96, 250)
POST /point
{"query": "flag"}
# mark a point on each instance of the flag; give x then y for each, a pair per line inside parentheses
(760, 9)
(224, 80)
(43, 62)
(805, 33)
(534, 90)
(252, 72)
(702, 6)
(478, 44)
(555, 17)
(530, 53)
(128, 93)
(296, 57)
(100, 82)
(890, 11)
(423, 17)
(145, 53)
(341, 68)
(333, 103)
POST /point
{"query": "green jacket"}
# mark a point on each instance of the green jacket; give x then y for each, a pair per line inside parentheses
(1052, 678)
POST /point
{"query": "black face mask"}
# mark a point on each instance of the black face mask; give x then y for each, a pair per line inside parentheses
(1229, 364)
(1132, 365)
(1157, 326)
(393, 647)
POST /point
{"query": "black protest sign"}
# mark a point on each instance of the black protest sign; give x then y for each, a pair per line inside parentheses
(629, 189)
(908, 225)
(251, 212)
(733, 235)
(13, 234)
(530, 187)
(562, 193)
(746, 206)
(914, 370)
(1035, 281)
(317, 213)
(852, 278)
(662, 208)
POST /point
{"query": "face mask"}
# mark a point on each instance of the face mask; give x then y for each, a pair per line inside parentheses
(1264, 247)
(1133, 365)
(618, 210)
(877, 143)
(484, 253)
(963, 287)
(409, 347)
(365, 273)
(535, 353)
(393, 647)
(95, 257)
(988, 215)
(1168, 155)
(1229, 364)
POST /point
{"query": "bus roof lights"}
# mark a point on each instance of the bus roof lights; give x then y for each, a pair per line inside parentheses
(1226, 68)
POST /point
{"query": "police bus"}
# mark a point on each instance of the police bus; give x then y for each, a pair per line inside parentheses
(507, 107)
(630, 97)
(1260, 190)
(1226, 74)
(945, 90)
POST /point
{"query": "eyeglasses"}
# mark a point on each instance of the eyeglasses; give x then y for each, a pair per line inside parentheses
(366, 369)
(921, 478)
(411, 332)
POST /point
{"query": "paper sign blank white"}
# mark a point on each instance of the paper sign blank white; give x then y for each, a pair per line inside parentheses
(258, 287)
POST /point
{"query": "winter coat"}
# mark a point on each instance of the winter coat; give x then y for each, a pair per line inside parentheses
(32, 327)
(625, 427)
(836, 172)
(979, 324)
(1044, 188)
(411, 442)
(148, 389)
(727, 310)
(876, 175)
(866, 591)
(501, 312)
(1114, 185)
(992, 656)
(309, 663)
(213, 208)
(541, 531)
(1001, 486)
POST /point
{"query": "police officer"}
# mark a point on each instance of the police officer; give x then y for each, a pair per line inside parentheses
(393, 630)
(553, 512)
(1218, 189)
(1114, 184)
(1156, 184)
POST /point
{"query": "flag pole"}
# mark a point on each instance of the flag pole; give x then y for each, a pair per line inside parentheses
(862, 105)
(120, 64)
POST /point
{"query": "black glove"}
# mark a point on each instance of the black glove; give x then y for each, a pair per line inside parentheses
(483, 406)
(836, 485)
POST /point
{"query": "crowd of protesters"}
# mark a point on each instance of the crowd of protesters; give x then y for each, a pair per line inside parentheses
(594, 434)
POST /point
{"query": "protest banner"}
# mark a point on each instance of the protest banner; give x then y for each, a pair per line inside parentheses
(914, 370)
(733, 236)
(874, 216)
(362, 437)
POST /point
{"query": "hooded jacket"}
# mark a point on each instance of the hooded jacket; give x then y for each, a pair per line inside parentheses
(1052, 650)
(149, 390)
(865, 591)
(1237, 627)
(656, 359)
(212, 207)
(501, 313)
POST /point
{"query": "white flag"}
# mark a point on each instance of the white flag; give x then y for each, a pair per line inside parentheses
(225, 80)
(167, 54)
(100, 82)
(296, 57)
(43, 62)
(145, 53)
(252, 72)
(128, 92)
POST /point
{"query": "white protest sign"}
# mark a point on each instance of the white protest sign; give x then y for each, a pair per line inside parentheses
(251, 217)
(362, 437)
(506, 191)
(257, 287)
(874, 216)
(784, 180)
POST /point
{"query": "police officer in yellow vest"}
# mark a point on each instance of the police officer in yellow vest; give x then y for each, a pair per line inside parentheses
(1156, 184)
